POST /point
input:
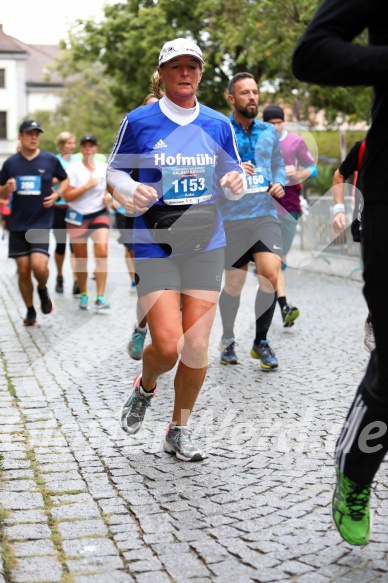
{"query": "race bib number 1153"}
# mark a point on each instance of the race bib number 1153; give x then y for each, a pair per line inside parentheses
(187, 185)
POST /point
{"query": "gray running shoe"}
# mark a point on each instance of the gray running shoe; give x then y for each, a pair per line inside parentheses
(178, 442)
(136, 344)
(131, 414)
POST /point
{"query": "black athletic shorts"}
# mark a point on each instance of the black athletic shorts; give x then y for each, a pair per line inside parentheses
(244, 237)
(26, 242)
(192, 271)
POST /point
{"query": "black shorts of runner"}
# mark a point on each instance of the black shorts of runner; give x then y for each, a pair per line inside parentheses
(124, 225)
(245, 237)
(288, 225)
(23, 243)
(97, 220)
(193, 271)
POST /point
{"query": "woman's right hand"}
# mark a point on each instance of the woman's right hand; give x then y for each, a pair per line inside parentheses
(142, 197)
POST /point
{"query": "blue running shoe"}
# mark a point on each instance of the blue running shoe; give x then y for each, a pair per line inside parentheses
(83, 302)
(136, 344)
(265, 354)
(228, 354)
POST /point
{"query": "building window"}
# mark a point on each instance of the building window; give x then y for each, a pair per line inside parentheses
(2, 78)
(3, 125)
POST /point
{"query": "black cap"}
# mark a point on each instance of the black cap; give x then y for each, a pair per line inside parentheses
(273, 112)
(88, 138)
(29, 125)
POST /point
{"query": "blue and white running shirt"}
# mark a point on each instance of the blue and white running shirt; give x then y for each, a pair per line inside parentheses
(260, 146)
(182, 154)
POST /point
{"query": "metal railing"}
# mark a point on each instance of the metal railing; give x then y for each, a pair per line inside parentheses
(316, 233)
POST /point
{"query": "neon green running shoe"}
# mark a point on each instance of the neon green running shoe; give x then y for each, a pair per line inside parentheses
(351, 510)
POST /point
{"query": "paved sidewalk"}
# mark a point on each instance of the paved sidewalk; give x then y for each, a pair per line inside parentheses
(85, 503)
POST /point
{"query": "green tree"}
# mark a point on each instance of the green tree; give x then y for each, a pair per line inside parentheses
(249, 35)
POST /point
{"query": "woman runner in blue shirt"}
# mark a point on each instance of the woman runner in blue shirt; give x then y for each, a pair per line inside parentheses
(186, 154)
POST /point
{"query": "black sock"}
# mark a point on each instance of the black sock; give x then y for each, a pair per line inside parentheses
(264, 308)
(145, 390)
(282, 301)
(228, 309)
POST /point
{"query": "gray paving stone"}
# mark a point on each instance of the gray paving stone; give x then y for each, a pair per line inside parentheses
(154, 577)
(82, 528)
(26, 516)
(111, 577)
(27, 532)
(36, 570)
(21, 500)
(75, 511)
(151, 564)
(19, 474)
(89, 547)
(94, 565)
(33, 548)
(59, 486)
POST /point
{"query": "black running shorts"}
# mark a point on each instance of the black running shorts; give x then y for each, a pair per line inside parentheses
(26, 242)
(244, 237)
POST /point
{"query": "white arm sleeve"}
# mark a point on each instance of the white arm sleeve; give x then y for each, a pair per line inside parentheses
(121, 181)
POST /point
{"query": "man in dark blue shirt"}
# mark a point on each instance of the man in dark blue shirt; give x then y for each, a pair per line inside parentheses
(28, 176)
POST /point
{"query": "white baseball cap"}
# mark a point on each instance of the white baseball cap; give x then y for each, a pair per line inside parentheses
(177, 48)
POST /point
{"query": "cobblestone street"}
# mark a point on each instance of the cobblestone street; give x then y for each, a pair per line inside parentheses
(82, 502)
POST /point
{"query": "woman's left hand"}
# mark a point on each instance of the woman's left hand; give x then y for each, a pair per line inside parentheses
(234, 181)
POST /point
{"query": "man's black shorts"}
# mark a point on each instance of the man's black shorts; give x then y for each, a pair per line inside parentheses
(26, 242)
(244, 237)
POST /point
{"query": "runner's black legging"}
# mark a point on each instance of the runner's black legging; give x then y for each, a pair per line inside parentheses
(59, 230)
(363, 441)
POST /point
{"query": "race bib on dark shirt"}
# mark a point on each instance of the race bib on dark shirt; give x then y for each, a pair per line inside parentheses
(28, 184)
